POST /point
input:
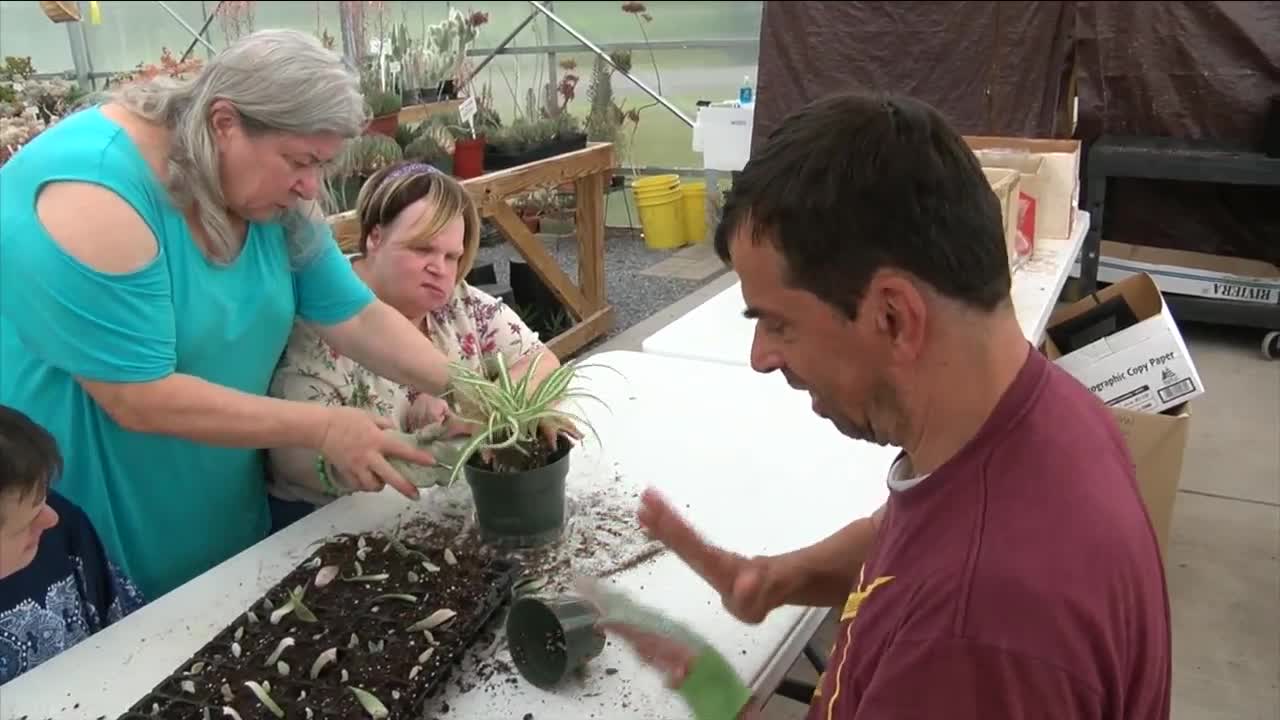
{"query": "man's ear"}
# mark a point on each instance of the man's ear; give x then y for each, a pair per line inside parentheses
(899, 309)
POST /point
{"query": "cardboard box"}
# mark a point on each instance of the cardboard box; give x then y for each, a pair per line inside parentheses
(1157, 443)
(1184, 272)
(1031, 169)
(1059, 184)
(1123, 345)
(1005, 184)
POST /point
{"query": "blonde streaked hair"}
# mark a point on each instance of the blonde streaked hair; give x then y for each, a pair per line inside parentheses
(389, 191)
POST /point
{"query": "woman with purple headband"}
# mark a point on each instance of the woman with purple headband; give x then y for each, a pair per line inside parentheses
(419, 233)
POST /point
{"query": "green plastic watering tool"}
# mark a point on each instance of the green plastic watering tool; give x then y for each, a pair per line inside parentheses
(712, 687)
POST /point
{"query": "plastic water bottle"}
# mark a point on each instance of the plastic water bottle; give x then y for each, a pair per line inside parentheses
(746, 93)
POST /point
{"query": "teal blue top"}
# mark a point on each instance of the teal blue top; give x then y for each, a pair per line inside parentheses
(166, 508)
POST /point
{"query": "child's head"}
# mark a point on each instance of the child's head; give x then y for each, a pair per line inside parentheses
(419, 234)
(29, 462)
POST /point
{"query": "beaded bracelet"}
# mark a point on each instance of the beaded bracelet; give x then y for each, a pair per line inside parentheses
(322, 469)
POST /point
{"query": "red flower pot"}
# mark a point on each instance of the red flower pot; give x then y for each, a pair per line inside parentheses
(468, 158)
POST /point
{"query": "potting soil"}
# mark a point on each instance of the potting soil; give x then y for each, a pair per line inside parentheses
(363, 614)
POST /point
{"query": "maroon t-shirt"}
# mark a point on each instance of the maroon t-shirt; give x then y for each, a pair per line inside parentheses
(1019, 580)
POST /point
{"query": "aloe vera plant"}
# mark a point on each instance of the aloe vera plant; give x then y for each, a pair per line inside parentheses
(509, 412)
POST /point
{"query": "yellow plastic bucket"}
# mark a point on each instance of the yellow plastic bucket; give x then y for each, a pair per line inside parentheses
(654, 184)
(694, 197)
(662, 219)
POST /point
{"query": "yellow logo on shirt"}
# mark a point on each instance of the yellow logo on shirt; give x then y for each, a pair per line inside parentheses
(855, 598)
(851, 606)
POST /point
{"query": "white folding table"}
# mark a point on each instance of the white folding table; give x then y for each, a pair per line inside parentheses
(743, 456)
(716, 331)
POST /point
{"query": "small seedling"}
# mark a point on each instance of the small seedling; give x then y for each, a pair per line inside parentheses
(402, 550)
(325, 658)
(404, 597)
(371, 704)
(434, 620)
(231, 713)
(264, 696)
(449, 557)
(280, 648)
(361, 577)
(326, 575)
(282, 667)
(295, 606)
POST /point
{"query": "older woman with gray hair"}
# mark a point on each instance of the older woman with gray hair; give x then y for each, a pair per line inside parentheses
(156, 249)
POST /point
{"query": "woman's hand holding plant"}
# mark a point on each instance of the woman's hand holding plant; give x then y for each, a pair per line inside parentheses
(356, 446)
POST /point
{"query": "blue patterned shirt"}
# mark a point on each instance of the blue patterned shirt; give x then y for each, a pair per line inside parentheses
(68, 592)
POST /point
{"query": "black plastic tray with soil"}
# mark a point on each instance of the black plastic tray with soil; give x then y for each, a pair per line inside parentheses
(362, 616)
(495, 159)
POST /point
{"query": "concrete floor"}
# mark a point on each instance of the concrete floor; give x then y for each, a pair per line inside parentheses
(1224, 555)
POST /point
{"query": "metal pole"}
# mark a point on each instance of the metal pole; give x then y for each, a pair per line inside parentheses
(552, 84)
(605, 56)
(498, 49)
(203, 29)
(79, 54)
(184, 24)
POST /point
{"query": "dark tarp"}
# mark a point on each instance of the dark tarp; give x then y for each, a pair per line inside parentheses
(992, 68)
(1200, 70)
(1180, 69)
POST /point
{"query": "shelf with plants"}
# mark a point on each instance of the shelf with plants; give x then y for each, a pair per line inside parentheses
(367, 628)
(28, 106)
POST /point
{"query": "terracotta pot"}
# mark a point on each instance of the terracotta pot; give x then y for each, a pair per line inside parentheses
(385, 125)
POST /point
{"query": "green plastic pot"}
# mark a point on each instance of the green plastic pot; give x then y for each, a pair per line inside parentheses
(551, 637)
(525, 509)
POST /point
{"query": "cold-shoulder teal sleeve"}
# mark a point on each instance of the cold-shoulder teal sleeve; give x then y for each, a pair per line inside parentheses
(328, 290)
(99, 326)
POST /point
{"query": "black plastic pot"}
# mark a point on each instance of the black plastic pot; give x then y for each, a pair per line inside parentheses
(551, 637)
(495, 159)
(529, 289)
(525, 509)
(446, 91)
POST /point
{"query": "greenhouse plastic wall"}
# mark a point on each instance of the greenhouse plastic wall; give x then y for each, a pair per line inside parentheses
(688, 51)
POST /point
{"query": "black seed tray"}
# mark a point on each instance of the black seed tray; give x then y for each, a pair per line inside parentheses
(343, 610)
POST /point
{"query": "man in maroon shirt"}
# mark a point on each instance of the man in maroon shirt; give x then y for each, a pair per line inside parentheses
(1013, 572)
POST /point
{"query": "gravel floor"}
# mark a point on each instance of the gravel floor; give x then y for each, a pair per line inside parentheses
(634, 296)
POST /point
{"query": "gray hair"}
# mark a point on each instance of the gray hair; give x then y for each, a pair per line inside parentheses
(279, 80)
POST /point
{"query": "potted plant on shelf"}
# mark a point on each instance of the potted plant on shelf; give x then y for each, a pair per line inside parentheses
(517, 479)
(525, 141)
(432, 148)
(362, 157)
(385, 108)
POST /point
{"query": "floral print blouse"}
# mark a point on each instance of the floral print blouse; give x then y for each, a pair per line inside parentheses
(473, 328)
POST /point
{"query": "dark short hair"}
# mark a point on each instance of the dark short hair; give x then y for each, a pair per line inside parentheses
(853, 183)
(29, 456)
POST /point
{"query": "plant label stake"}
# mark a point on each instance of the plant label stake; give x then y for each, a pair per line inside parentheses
(468, 110)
